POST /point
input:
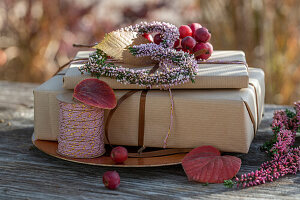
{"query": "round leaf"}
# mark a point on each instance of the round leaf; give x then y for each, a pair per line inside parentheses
(206, 165)
(96, 93)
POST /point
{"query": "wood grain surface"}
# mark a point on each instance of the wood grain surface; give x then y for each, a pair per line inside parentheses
(27, 173)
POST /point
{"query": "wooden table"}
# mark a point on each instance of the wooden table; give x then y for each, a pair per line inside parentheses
(27, 173)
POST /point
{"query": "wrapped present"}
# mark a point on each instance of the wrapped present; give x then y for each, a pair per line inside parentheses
(46, 108)
(225, 118)
(234, 75)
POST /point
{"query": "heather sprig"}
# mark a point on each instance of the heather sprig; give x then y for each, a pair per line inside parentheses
(285, 159)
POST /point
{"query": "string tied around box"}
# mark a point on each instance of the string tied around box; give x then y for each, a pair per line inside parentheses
(171, 119)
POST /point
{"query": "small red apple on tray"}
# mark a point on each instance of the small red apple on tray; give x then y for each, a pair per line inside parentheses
(111, 179)
(119, 154)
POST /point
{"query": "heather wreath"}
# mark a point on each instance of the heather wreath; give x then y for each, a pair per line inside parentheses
(175, 67)
(285, 158)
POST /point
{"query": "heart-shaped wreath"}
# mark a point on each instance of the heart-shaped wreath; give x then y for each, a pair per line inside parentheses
(172, 67)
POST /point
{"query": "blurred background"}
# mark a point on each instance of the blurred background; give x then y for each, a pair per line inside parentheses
(36, 36)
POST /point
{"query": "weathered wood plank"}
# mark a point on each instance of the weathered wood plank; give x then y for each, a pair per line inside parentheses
(27, 173)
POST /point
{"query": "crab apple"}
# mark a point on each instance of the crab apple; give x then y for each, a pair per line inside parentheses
(157, 39)
(177, 43)
(202, 35)
(111, 179)
(148, 37)
(194, 27)
(119, 154)
(185, 31)
(188, 43)
(203, 50)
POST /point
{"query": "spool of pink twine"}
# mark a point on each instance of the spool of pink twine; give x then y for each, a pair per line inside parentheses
(81, 130)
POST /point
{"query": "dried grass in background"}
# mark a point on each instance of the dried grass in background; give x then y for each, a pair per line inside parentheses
(36, 36)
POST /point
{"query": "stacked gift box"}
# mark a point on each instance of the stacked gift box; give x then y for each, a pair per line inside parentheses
(222, 108)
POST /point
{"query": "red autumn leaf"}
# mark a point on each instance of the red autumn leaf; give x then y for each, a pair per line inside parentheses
(96, 93)
(206, 165)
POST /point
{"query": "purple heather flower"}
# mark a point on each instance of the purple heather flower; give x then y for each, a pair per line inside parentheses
(285, 159)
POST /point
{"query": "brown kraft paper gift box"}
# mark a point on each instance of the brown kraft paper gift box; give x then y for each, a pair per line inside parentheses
(46, 109)
(209, 75)
(224, 118)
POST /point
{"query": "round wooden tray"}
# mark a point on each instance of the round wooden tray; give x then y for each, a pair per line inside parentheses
(49, 147)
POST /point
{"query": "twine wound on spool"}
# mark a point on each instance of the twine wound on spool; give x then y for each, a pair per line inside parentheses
(81, 130)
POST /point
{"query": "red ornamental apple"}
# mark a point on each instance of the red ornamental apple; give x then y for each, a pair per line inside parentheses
(205, 164)
(111, 179)
(202, 35)
(148, 37)
(195, 26)
(203, 50)
(157, 39)
(185, 31)
(188, 43)
(177, 43)
(119, 154)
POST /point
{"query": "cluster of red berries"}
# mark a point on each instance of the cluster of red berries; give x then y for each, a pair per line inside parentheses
(111, 179)
(193, 39)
